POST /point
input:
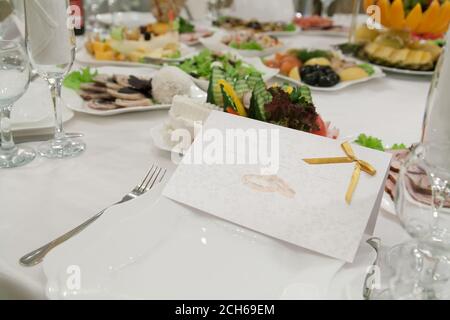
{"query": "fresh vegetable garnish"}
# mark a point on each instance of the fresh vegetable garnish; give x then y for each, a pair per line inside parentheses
(290, 27)
(367, 68)
(250, 45)
(370, 142)
(183, 26)
(176, 55)
(74, 79)
(397, 146)
(200, 66)
(285, 105)
(305, 54)
(377, 144)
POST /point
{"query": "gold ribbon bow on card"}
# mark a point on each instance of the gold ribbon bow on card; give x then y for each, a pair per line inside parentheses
(360, 165)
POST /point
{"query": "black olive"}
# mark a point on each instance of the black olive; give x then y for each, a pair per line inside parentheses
(143, 29)
(147, 36)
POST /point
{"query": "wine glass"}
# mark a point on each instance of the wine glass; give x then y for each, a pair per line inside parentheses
(422, 267)
(51, 43)
(14, 81)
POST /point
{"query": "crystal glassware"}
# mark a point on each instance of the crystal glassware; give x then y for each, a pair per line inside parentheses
(14, 81)
(51, 43)
(421, 268)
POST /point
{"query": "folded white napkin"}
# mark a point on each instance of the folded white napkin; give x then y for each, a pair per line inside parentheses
(50, 40)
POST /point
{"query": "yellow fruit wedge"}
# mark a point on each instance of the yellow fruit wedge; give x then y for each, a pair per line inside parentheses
(441, 24)
(295, 74)
(385, 8)
(352, 74)
(414, 17)
(318, 61)
(429, 17)
(397, 15)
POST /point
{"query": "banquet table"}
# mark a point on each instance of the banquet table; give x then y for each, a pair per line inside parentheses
(40, 201)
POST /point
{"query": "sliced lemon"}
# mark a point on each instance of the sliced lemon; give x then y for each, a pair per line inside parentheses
(318, 61)
(352, 74)
(295, 74)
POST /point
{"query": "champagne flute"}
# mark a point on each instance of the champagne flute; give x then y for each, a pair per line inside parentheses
(14, 81)
(51, 44)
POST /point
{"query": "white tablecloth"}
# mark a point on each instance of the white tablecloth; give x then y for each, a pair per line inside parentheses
(40, 201)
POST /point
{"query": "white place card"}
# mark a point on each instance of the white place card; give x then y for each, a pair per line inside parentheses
(265, 185)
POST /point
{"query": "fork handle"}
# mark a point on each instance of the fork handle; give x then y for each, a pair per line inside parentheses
(35, 257)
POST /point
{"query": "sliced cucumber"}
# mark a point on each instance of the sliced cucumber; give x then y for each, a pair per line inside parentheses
(260, 98)
(214, 91)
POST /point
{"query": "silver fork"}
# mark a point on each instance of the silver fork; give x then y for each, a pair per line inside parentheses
(154, 176)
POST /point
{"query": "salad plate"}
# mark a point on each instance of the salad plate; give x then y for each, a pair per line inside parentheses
(76, 102)
(199, 66)
(266, 45)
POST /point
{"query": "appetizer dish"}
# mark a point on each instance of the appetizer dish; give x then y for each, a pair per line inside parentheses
(200, 67)
(250, 40)
(113, 91)
(320, 68)
(189, 33)
(125, 45)
(287, 106)
(319, 24)
(232, 23)
(396, 50)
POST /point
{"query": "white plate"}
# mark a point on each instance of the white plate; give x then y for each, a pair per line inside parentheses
(154, 248)
(76, 103)
(47, 123)
(86, 58)
(214, 43)
(130, 19)
(267, 73)
(30, 113)
(407, 72)
(341, 85)
(29, 110)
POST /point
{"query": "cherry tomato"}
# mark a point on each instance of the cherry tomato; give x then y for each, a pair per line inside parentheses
(322, 131)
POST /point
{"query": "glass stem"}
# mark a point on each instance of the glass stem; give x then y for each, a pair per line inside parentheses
(7, 142)
(354, 23)
(55, 89)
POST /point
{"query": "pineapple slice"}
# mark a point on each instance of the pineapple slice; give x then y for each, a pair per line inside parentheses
(414, 58)
(398, 57)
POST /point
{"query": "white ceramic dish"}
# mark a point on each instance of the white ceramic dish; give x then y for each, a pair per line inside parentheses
(342, 33)
(154, 248)
(130, 19)
(76, 103)
(31, 114)
(86, 58)
(215, 43)
(29, 110)
(407, 72)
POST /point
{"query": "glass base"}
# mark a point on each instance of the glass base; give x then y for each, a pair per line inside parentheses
(17, 157)
(418, 274)
(61, 148)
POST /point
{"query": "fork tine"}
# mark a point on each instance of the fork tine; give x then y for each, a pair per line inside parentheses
(152, 181)
(148, 180)
(146, 177)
